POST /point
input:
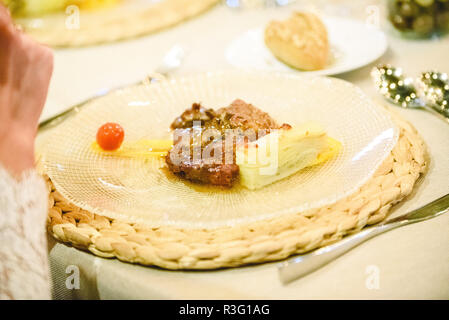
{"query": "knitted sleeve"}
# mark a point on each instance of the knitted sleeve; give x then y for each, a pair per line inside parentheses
(24, 272)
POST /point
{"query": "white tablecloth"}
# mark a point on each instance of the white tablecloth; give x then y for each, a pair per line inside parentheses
(411, 262)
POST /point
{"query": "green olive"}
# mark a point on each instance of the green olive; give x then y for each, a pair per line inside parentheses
(423, 24)
(399, 22)
(424, 3)
(442, 20)
(407, 9)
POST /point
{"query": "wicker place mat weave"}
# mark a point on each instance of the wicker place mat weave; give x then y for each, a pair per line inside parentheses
(269, 240)
(94, 31)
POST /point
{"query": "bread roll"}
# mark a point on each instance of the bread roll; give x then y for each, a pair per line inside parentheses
(300, 41)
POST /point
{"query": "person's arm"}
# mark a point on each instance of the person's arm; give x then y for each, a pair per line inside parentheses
(25, 72)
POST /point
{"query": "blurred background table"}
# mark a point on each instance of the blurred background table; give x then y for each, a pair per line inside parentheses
(412, 262)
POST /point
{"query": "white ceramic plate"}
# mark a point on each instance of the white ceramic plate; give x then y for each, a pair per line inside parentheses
(140, 191)
(353, 45)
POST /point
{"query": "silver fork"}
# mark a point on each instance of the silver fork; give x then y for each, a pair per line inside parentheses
(307, 263)
(171, 61)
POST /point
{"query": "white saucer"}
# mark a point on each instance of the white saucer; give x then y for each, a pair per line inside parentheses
(354, 44)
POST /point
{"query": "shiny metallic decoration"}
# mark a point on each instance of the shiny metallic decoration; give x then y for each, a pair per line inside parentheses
(392, 84)
(434, 86)
(431, 92)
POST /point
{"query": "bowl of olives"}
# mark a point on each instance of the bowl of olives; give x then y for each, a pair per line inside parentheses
(419, 18)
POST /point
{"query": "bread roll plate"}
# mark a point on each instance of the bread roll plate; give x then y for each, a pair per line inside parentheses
(353, 44)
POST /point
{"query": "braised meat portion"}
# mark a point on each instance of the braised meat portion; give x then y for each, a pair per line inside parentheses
(245, 116)
(195, 113)
(186, 158)
(215, 173)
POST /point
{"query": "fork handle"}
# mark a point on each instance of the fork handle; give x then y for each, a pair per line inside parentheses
(305, 264)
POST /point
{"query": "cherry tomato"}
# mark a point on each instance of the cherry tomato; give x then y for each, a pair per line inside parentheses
(110, 136)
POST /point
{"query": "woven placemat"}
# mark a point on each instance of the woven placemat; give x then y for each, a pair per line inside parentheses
(92, 31)
(269, 240)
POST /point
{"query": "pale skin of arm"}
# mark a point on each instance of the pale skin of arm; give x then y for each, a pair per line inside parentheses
(25, 73)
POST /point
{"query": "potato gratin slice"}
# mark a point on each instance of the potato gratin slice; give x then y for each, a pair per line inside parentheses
(282, 153)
